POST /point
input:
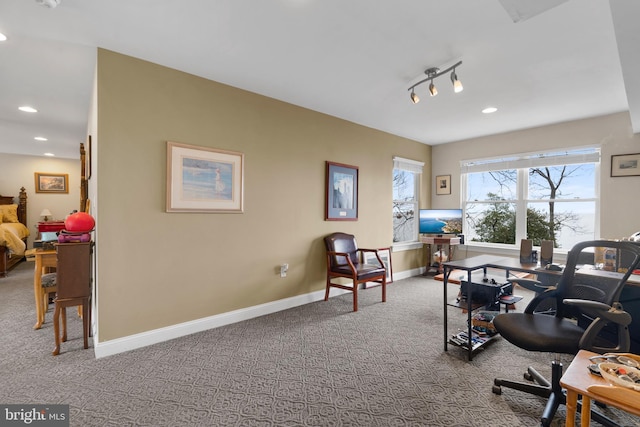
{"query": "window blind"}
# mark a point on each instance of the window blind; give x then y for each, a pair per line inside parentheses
(408, 165)
(532, 160)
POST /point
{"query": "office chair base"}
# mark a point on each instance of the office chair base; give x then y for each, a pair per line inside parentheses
(551, 390)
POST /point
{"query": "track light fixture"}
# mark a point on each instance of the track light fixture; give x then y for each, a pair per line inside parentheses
(433, 73)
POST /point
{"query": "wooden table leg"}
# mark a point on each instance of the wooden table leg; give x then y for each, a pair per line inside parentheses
(37, 284)
(585, 417)
(572, 407)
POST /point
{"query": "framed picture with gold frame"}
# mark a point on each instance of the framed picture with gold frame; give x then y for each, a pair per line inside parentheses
(52, 182)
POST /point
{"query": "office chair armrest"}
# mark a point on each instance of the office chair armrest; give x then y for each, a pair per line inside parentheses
(605, 314)
(612, 314)
(531, 284)
(548, 292)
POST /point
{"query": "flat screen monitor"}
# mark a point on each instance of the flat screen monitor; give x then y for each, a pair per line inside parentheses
(440, 221)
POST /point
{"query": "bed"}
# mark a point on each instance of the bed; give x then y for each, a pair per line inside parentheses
(13, 230)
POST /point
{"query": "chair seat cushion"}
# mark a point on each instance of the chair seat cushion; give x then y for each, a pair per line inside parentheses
(538, 332)
(364, 271)
(48, 280)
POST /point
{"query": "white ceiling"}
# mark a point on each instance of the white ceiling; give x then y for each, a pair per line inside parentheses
(352, 59)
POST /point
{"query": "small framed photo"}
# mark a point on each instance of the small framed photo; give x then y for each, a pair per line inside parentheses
(341, 192)
(625, 165)
(443, 184)
(52, 182)
(203, 179)
(385, 256)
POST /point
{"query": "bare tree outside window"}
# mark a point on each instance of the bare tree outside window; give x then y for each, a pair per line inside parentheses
(559, 204)
(405, 206)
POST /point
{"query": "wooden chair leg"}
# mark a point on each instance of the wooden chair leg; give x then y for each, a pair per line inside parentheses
(384, 289)
(64, 324)
(326, 293)
(85, 323)
(355, 296)
(56, 329)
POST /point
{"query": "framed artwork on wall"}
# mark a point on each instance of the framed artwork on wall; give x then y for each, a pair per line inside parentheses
(385, 256)
(625, 165)
(341, 192)
(203, 179)
(443, 184)
(52, 182)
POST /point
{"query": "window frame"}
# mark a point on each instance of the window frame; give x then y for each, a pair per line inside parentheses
(415, 167)
(521, 163)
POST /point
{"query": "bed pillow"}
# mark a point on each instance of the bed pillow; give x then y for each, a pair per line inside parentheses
(9, 213)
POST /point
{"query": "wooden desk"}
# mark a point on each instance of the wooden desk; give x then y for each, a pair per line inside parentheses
(579, 381)
(44, 258)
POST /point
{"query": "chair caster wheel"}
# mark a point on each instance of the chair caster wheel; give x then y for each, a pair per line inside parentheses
(496, 389)
(527, 376)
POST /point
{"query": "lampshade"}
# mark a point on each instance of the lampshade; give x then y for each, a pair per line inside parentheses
(46, 214)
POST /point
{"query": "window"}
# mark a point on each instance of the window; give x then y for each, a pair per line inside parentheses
(537, 196)
(406, 185)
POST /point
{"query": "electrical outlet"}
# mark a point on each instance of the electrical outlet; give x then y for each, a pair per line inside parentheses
(283, 270)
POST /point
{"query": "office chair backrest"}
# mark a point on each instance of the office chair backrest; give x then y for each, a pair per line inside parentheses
(342, 242)
(595, 285)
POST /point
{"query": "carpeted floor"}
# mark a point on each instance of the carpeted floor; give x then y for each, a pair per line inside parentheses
(316, 365)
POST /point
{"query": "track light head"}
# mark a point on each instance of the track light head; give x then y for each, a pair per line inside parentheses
(414, 98)
(432, 89)
(457, 85)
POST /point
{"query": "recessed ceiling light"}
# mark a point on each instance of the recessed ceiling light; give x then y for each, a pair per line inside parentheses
(49, 154)
(2, 37)
(489, 110)
(40, 138)
(27, 109)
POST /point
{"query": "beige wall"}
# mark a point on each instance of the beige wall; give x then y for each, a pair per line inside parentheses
(619, 197)
(18, 171)
(157, 269)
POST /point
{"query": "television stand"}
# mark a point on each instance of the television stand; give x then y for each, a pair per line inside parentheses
(439, 242)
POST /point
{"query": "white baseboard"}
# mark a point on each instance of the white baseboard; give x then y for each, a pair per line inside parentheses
(132, 342)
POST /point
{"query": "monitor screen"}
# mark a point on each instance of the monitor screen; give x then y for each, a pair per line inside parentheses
(440, 221)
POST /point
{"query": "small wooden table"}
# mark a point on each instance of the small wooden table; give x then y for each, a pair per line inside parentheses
(44, 258)
(439, 242)
(579, 381)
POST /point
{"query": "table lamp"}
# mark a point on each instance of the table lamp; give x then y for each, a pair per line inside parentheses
(46, 214)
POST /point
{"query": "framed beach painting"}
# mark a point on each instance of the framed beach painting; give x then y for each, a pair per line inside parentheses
(203, 179)
(341, 192)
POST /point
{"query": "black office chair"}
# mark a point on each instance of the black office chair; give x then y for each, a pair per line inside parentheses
(586, 315)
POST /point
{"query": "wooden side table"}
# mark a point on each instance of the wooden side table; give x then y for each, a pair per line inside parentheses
(439, 242)
(579, 381)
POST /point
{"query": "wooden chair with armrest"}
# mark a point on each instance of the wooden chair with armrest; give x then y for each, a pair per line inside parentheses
(344, 260)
